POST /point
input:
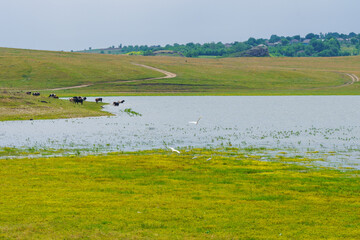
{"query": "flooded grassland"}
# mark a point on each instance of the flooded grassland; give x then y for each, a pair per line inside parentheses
(319, 127)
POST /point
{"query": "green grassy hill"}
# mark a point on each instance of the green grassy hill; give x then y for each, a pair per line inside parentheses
(29, 69)
(110, 75)
(255, 76)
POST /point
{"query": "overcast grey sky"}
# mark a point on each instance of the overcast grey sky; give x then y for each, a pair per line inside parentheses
(79, 24)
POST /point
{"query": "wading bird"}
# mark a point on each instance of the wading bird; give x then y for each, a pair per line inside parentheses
(193, 122)
(174, 150)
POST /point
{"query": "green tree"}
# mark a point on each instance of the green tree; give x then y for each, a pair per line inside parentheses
(317, 45)
(352, 35)
(284, 42)
(252, 41)
(309, 50)
(311, 36)
(297, 37)
(354, 41)
(274, 38)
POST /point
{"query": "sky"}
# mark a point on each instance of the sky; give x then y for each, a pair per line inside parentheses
(80, 24)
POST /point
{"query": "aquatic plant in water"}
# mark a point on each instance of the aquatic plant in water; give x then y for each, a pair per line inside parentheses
(131, 113)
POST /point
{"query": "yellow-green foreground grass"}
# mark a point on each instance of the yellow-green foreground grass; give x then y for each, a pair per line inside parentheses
(110, 75)
(19, 106)
(163, 195)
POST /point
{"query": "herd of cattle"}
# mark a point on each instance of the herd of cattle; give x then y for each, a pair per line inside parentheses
(34, 93)
(76, 99)
(38, 94)
(114, 103)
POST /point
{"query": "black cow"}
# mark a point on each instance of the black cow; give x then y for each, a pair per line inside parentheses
(98, 100)
(53, 95)
(118, 102)
(77, 100)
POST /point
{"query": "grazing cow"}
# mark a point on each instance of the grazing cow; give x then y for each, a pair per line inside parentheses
(53, 95)
(118, 102)
(98, 100)
(77, 100)
(28, 93)
(36, 94)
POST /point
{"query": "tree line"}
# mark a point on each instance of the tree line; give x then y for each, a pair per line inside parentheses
(312, 45)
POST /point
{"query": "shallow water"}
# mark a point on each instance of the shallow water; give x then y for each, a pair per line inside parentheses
(298, 123)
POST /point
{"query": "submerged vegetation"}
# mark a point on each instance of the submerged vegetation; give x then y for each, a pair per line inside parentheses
(131, 113)
(198, 194)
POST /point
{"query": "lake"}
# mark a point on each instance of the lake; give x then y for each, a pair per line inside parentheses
(320, 125)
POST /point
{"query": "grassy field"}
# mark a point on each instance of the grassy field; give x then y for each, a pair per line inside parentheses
(36, 70)
(19, 106)
(109, 75)
(27, 69)
(257, 76)
(164, 195)
(160, 194)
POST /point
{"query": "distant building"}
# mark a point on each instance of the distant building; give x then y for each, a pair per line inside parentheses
(294, 41)
(306, 41)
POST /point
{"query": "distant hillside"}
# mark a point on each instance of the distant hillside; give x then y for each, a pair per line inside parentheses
(101, 74)
(31, 69)
(312, 45)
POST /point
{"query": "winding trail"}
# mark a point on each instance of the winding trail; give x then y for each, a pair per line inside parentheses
(167, 75)
(353, 77)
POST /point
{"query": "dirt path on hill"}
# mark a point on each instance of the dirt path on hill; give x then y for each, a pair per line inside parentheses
(353, 77)
(167, 75)
(65, 88)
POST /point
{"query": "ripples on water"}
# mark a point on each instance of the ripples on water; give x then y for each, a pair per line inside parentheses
(299, 124)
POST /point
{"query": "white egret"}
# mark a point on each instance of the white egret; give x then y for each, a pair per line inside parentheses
(208, 159)
(193, 122)
(174, 150)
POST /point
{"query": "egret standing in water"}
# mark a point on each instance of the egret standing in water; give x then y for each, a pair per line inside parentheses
(193, 122)
(174, 150)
